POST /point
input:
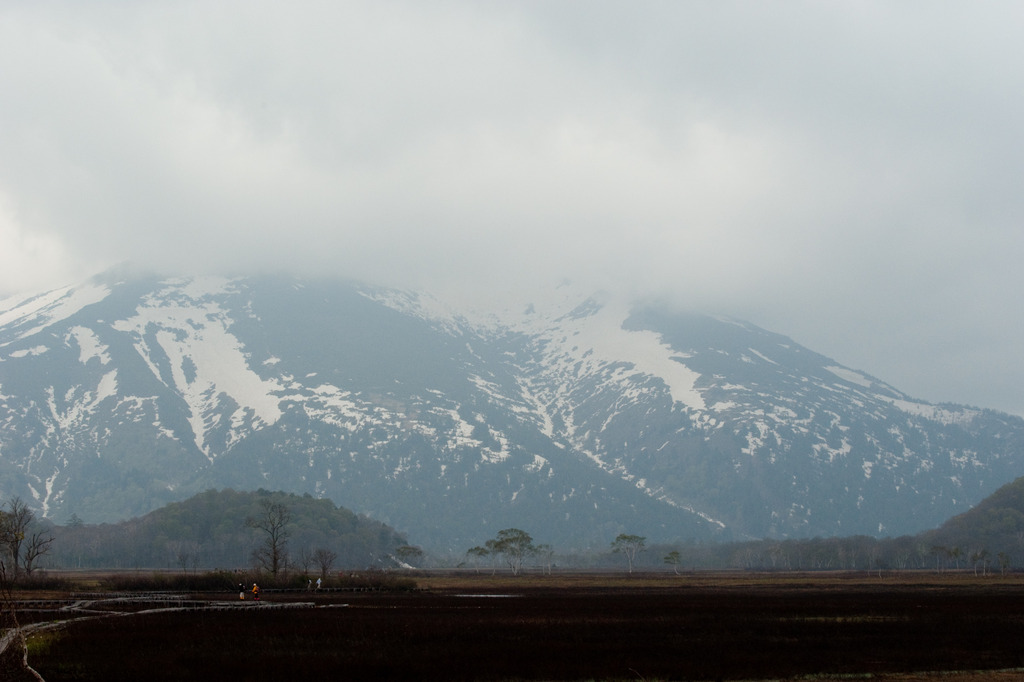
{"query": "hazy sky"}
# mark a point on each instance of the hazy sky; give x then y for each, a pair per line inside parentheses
(849, 174)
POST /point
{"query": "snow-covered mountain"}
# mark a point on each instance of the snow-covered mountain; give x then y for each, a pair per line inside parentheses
(575, 421)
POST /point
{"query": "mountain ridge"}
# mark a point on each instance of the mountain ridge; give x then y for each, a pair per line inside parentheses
(579, 420)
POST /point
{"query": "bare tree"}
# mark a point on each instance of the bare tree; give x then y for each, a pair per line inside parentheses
(13, 647)
(14, 523)
(981, 556)
(38, 545)
(547, 554)
(186, 553)
(324, 559)
(272, 520)
(305, 560)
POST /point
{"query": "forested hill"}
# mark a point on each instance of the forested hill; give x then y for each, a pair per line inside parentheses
(212, 530)
(995, 525)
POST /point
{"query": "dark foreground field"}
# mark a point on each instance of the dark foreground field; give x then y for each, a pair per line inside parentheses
(532, 628)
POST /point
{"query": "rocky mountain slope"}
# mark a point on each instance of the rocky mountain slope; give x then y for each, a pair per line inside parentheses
(575, 420)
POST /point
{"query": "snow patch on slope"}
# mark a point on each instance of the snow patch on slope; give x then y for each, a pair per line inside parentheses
(89, 345)
(587, 342)
(71, 409)
(25, 352)
(422, 305)
(206, 361)
(962, 416)
(850, 376)
(39, 312)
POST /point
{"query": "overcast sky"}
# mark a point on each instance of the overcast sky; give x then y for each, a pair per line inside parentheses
(849, 174)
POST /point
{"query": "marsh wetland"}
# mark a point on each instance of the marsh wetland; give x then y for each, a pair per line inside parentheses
(478, 626)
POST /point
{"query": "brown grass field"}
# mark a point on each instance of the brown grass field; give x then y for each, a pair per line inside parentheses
(949, 626)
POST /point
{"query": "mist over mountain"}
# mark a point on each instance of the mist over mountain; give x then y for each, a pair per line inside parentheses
(577, 417)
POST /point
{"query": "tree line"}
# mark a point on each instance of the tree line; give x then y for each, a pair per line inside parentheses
(514, 549)
(267, 531)
(275, 532)
(23, 541)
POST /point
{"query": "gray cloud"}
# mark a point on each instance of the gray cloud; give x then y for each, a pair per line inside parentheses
(844, 173)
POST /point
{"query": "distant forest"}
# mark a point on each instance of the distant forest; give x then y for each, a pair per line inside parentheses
(987, 538)
(221, 529)
(215, 529)
(855, 553)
